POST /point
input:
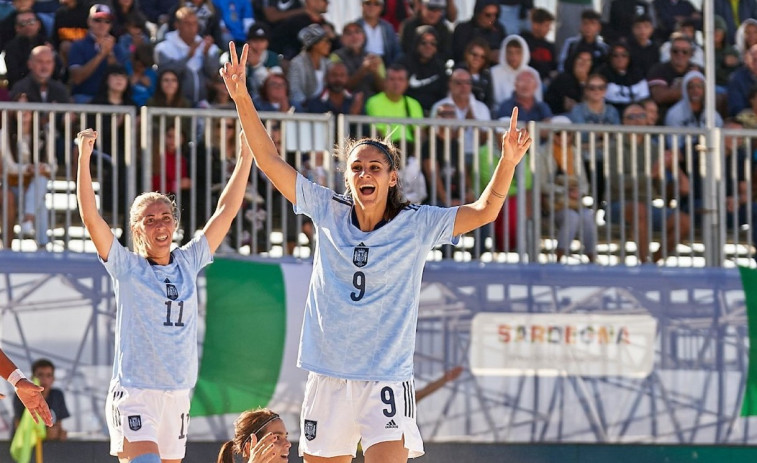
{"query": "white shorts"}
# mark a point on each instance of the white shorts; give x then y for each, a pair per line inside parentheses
(339, 413)
(148, 415)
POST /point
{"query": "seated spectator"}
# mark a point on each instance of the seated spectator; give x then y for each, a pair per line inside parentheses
(8, 23)
(29, 34)
(653, 113)
(514, 14)
(381, 39)
(194, 58)
(747, 117)
(218, 96)
(514, 57)
(633, 176)
(594, 108)
(744, 9)
(135, 34)
(397, 11)
(741, 82)
(285, 34)
(686, 29)
(208, 20)
(39, 86)
(125, 11)
(259, 437)
(45, 10)
(429, 13)
(260, 60)
(477, 64)
(530, 108)
(587, 40)
(236, 18)
(690, 111)
(564, 183)
(307, 70)
(467, 107)
(168, 92)
(542, 50)
(274, 95)
(625, 82)
(727, 59)
(484, 24)
(671, 13)
(43, 370)
(143, 78)
(645, 52)
(567, 89)
(393, 102)
(366, 71)
(335, 98)
(428, 76)
(28, 172)
(746, 36)
(158, 12)
(89, 58)
(622, 16)
(664, 79)
(275, 11)
(69, 25)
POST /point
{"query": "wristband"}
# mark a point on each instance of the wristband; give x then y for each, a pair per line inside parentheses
(15, 377)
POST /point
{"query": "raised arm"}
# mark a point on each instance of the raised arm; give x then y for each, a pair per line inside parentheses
(515, 143)
(282, 175)
(231, 197)
(98, 228)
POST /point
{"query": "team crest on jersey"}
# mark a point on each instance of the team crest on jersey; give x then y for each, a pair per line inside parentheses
(171, 291)
(135, 422)
(310, 429)
(360, 255)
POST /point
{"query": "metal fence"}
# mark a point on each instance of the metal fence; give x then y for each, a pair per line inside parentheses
(611, 194)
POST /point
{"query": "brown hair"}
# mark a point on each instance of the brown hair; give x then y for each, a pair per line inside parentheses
(248, 423)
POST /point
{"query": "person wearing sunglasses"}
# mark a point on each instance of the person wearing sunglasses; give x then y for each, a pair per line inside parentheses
(625, 81)
(664, 79)
(485, 24)
(260, 436)
(29, 34)
(429, 13)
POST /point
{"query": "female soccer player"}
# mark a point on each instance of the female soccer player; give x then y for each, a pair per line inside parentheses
(259, 437)
(358, 333)
(156, 301)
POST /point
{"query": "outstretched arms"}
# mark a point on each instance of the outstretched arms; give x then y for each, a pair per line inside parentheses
(282, 175)
(470, 216)
(97, 227)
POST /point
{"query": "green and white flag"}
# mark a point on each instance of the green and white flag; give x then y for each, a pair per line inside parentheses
(253, 324)
(749, 282)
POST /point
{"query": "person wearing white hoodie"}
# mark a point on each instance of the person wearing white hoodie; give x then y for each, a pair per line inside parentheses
(513, 58)
(195, 58)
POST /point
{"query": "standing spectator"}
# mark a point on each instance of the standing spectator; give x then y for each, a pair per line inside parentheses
(69, 25)
(467, 107)
(307, 70)
(530, 108)
(39, 86)
(735, 14)
(285, 40)
(622, 16)
(195, 58)
(741, 82)
(428, 76)
(645, 52)
(380, 39)
(90, 57)
(664, 79)
(483, 24)
(366, 71)
(542, 51)
(236, 18)
(588, 40)
(477, 63)
(746, 35)
(672, 13)
(513, 58)
(29, 34)
(513, 15)
(260, 60)
(208, 20)
(567, 89)
(393, 102)
(43, 370)
(335, 98)
(625, 82)
(568, 14)
(430, 13)
(274, 95)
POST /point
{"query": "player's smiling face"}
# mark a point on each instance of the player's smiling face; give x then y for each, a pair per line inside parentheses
(369, 176)
(281, 444)
(158, 226)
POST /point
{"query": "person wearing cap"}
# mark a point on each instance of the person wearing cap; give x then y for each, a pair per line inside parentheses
(588, 39)
(308, 68)
(430, 13)
(484, 23)
(260, 60)
(381, 40)
(195, 58)
(90, 57)
(621, 17)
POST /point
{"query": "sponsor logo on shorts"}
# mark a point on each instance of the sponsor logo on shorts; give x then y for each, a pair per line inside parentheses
(391, 425)
(360, 255)
(135, 422)
(311, 427)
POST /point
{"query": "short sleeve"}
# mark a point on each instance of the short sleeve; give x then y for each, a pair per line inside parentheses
(311, 199)
(197, 252)
(120, 260)
(440, 224)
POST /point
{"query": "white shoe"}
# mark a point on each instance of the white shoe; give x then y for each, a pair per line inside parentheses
(27, 228)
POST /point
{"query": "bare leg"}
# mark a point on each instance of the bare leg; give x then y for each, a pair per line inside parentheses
(387, 452)
(340, 459)
(134, 449)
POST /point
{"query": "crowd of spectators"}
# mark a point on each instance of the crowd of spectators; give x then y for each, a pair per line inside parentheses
(399, 58)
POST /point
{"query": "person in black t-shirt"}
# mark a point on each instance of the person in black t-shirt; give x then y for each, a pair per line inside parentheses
(44, 371)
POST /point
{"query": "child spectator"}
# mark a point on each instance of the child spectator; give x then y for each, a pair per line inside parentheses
(542, 51)
(514, 57)
(44, 371)
(645, 52)
(587, 40)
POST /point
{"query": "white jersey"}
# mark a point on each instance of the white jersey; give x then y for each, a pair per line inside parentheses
(362, 305)
(156, 318)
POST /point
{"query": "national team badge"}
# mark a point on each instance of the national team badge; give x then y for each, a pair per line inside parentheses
(310, 429)
(360, 255)
(135, 422)
(171, 291)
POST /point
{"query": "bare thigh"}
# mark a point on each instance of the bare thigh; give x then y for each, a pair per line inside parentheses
(387, 452)
(340, 459)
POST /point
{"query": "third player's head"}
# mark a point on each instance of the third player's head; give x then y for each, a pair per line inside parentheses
(256, 423)
(153, 219)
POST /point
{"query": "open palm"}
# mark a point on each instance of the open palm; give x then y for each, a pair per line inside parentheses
(233, 72)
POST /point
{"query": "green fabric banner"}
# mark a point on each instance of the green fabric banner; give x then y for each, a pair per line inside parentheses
(244, 337)
(749, 282)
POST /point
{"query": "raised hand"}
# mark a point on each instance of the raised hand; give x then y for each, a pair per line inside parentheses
(265, 450)
(515, 142)
(234, 72)
(31, 396)
(86, 141)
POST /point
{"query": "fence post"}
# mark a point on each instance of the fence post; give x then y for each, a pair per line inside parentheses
(711, 171)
